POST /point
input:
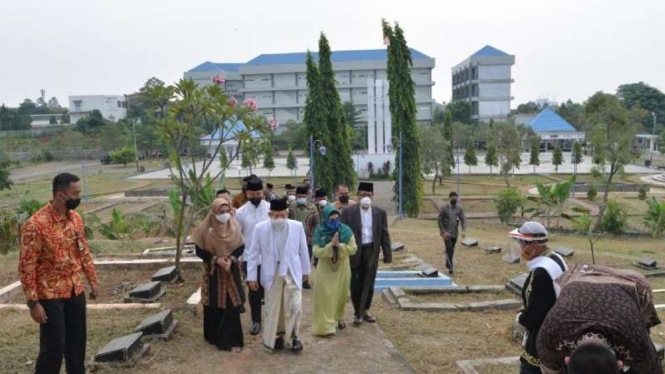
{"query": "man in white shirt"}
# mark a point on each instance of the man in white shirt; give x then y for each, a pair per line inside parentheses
(370, 228)
(279, 248)
(248, 216)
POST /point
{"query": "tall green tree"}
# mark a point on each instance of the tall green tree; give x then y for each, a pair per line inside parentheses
(509, 144)
(534, 157)
(529, 107)
(317, 128)
(291, 162)
(644, 96)
(447, 130)
(403, 113)
(492, 156)
(433, 152)
(557, 157)
(269, 158)
(341, 160)
(470, 158)
(573, 113)
(461, 111)
(611, 129)
(351, 113)
(577, 156)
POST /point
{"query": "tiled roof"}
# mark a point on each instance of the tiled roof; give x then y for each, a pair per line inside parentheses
(337, 56)
(549, 120)
(488, 50)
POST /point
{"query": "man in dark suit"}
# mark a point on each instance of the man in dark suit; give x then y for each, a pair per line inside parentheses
(370, 228)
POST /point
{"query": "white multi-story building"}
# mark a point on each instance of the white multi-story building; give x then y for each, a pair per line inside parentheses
(112, 107)
(484, 79)
(278, 81)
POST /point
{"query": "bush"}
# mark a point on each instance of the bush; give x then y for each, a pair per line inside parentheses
(592, 193)
(47, 156)
(615, 218)
(642, 193)
(507, 203)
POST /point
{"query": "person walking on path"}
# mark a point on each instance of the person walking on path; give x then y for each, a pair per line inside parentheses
(219, 243)
(54, 250)
(450, 218)
(370, 228)
(333, 244)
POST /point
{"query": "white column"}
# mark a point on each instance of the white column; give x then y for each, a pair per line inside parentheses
(380, 140)
(387, 120)
(371, 118)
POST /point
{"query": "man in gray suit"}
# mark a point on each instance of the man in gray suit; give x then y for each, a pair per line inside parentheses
(370, 228)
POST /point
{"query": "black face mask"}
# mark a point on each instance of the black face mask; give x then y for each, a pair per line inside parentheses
(255, 200)
(453, 202)
(72, 204)
(344, 199)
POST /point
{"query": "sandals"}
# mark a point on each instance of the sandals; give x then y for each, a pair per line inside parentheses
(341, 325)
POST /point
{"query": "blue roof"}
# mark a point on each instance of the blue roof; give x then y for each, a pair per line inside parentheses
(337, 56)
(211, 66)
(488, 50)
(229, 131)
(548, 120)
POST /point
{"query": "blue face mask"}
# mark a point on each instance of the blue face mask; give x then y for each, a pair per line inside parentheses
(334, 224)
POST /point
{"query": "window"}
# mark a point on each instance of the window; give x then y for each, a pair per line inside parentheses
(77, 105)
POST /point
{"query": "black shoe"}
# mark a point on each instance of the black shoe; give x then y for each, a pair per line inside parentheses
(279, 344)
(451, 272)
(306, 286)
(255, 329)
(296, 346)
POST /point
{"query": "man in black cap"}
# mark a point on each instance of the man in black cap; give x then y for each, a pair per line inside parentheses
(278, 251)
(270, 193)
(249, 216)
(241, 198)
(450, 218)
(307, 214)
(370, 228)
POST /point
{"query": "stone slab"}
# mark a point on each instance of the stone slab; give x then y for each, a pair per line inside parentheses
(397, 246)
(565, 251)
(397, 292)
(505, 304)
(146, 291)
(647, 263)
(492, 250)
(430, 272)
(470, 366)
(423, 266)
(511, 259)
(517, 284)
(121, 349)
(159, 326)
(166, 275)
(470, 242)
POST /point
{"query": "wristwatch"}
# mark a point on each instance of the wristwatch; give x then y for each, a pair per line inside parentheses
(32, 303)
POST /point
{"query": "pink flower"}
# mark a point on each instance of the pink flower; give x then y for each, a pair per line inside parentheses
(233, 101)
(274, 124)
(251, 104)
(219, 80)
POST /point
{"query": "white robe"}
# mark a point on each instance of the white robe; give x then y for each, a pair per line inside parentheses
(282, 269)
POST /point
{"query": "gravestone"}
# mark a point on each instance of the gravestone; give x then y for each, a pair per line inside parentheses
(491, 250)
(564, 251)
(124, 349)
(470, 242)
(146, 292)
(396, 247)
(511, 258)
(517, 284)
(430, 272)
(647, 263)
(166, 275)
(158, 326)
(423, 266)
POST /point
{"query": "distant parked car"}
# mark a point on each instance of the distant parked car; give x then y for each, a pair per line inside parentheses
(106, 160)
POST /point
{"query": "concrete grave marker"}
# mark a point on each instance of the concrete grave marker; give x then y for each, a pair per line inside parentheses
(647, 263)
(397, 246)
(564, 251)
(470, 242)
(511, 258)
(517, 284)
(146, 292)
(125, 349)
(158, 326)
(430, 272)
(166, 275)
(491, 250)
(423, 266)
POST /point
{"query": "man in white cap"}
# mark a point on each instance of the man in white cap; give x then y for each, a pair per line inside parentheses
(540, 289)
(279, 247)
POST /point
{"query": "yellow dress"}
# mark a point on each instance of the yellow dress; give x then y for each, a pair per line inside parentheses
(332, 287)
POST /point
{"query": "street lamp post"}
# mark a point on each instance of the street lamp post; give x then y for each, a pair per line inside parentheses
(136, 150)
(651, 143)
(458, 162)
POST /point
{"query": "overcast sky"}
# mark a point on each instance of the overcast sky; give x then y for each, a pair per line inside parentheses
(564, 48)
